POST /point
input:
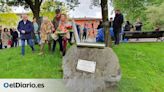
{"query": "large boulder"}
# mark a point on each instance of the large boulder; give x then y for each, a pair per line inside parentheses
(107, 72)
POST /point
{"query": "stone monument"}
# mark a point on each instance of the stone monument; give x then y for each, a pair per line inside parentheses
(90, 69)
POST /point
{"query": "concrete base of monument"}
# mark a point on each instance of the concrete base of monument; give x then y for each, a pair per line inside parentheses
(107, 72)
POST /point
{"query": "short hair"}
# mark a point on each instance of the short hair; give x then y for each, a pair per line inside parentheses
(64, 15)
(24, 15)
(57, 11)
(5, 29)
(11, 29)
(118, 10)
(45, 18)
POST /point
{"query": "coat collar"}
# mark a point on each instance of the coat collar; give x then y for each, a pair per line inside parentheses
(26, 21)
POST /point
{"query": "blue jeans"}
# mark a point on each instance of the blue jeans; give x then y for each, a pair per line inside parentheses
(30, 43)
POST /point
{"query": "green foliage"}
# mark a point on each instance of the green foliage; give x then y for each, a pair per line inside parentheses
(50, 15)
(34, 5)
(155, 14)
(14, 2)
(48, 8)
(72, 3)
(8, 19)
(5, 8)
(142, 9)
(132, 9)
(51, 6)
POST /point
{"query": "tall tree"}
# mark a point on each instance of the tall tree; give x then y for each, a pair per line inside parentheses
(133, 9)
(138, 8)
(155, 15)
(34, 5)
(4, 8)
(104, 9)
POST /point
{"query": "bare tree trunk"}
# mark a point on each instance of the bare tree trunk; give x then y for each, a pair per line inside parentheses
(35, 7)
(104, 8)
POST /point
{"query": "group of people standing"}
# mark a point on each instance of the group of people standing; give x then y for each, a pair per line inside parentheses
(49, 32)
(58, 30)
(115, 28)
(86, 32)
(8, 37)
(136, 27)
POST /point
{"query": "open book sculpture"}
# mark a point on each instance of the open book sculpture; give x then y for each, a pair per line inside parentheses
(85, 44)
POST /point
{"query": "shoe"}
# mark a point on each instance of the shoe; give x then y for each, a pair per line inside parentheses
(64, 52)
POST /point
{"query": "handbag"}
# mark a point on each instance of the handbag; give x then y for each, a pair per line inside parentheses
(54, 36)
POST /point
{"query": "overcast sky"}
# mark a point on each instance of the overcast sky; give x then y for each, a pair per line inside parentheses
(83, 10)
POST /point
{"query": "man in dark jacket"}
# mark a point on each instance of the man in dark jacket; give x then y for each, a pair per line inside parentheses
(25, 27)
(117, 26)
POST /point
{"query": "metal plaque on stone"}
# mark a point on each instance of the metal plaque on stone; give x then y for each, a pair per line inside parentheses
(86, 66)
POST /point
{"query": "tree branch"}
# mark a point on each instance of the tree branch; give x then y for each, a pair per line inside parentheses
(30, 3)
(40, 2)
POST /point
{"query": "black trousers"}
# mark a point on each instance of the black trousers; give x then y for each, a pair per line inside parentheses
(71, 34)
(60, 44)
(14, 43)
(0, 45)
(84, 35)
(117, 35)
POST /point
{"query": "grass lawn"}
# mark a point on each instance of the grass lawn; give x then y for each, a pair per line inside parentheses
(32, 65)
(142, 66)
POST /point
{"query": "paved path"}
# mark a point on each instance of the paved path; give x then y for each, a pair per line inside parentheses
(146, 40)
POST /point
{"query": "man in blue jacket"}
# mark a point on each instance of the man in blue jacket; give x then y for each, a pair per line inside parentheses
(25, 27)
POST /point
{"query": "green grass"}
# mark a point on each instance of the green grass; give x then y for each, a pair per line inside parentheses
(32, 65)
(142, 66)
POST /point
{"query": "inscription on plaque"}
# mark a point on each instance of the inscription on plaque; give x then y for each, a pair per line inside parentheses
(86, 66)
